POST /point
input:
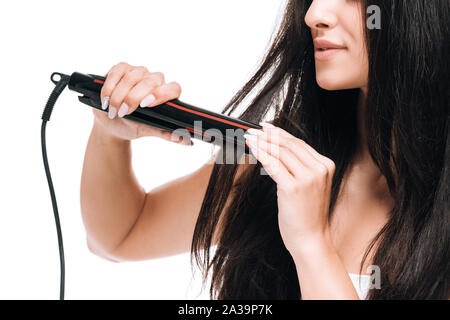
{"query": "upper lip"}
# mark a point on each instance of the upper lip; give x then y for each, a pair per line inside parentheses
(326, 44)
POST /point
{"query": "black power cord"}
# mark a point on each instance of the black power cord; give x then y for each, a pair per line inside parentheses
(60, 85)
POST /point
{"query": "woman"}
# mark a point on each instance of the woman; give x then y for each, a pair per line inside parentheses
(357, 158)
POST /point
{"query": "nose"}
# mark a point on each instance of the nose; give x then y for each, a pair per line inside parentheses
(320, 15)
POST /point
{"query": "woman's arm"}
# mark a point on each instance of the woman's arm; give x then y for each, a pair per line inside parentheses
(110, 196)
(320, 271)
(304, 179)
(125, 223)
(166, 223)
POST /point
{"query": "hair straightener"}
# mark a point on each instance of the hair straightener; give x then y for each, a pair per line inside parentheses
(173, 116)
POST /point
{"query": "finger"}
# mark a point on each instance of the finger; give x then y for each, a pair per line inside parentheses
(145, 130)
(137, 93)
(184, 139)
(286, 156)
(274, 167)
(126, 83)
(269, 127)
(302, 150)
(275, 136)
(183, 135)
(161, 94)
(113, 77)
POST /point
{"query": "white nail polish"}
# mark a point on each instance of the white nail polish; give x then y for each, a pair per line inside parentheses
(123, 110)
(187, 142)
(267, 125)
(105, 103)
(148, 100)
(254, 131)
(111, 112)
(250, 137)
(252, 145)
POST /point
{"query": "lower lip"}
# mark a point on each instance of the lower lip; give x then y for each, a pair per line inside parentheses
(323, 55)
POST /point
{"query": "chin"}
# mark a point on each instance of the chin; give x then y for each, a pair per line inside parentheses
(330, 84)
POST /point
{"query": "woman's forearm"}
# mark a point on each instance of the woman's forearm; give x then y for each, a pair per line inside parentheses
(321, 273)
(110, 196)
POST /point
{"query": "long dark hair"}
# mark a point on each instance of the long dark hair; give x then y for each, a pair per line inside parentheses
(407, 120)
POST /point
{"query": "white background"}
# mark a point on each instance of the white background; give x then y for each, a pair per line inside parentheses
(209, 47)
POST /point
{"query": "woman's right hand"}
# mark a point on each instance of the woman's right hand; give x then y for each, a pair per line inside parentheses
(126, 87)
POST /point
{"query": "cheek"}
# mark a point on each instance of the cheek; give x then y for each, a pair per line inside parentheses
(347, 70)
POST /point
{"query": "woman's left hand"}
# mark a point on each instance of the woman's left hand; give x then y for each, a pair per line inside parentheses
(303, 178)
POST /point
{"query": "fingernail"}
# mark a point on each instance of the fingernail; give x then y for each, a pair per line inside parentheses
(112, 112)
(254, 131)
(123, 110)
(105, 103)
(252, 145)
(250, 137)
(267, 125)
(175, 138)
(148, 100)
(187, 142)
